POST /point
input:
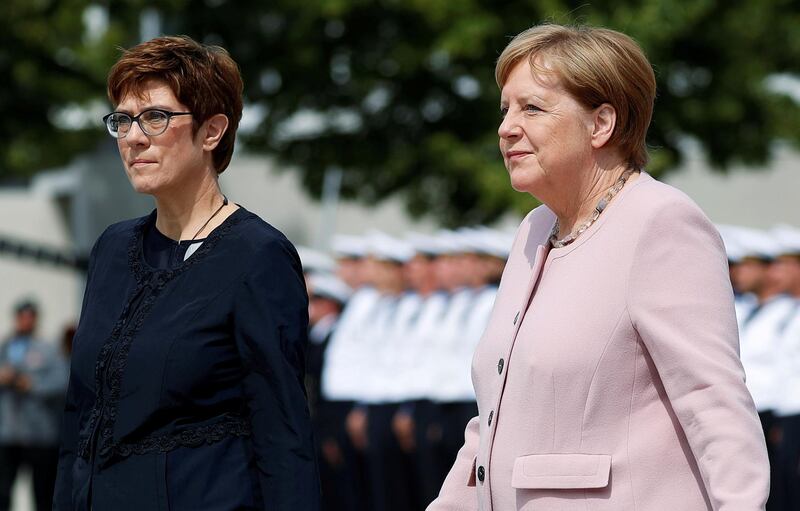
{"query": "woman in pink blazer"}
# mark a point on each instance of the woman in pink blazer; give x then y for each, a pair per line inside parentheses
(609, 376)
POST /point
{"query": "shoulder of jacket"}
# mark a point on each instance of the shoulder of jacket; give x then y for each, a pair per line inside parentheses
(123, 229)
(655, 196)
(257, 235)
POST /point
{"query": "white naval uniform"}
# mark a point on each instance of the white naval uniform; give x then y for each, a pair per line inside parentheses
(388, 378)
(759, 348)
(788, 402)
(417, 360)
(340, 380)
(369, 382)
(459, 383)
(744, 305)
(445, 347)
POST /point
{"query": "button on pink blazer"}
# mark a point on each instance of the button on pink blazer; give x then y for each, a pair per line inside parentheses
(608, 377)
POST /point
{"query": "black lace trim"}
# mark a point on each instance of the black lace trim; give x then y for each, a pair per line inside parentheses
(113, 357)
(193, 437)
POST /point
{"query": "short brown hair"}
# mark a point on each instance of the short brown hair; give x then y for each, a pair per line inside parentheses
(595, 66)
(204, 78)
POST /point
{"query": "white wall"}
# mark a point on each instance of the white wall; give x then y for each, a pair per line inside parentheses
(761, 197)
(36, 219)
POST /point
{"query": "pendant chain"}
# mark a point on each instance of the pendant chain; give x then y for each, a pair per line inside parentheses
(224, 203)
(178, 244)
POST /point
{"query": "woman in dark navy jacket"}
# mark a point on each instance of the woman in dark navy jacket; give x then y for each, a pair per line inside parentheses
(186, 390)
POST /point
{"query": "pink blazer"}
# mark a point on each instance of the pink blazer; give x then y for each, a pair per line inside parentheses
(609, 377)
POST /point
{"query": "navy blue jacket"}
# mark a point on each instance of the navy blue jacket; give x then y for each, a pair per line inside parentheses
(186, 386)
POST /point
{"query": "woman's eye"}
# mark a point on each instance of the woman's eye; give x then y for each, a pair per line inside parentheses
(532, 108)
(503, 111)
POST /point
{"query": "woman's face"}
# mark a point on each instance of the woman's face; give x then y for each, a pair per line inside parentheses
(545, 134)
(162, 163)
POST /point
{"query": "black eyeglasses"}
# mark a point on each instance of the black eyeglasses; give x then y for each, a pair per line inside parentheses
(152, 122)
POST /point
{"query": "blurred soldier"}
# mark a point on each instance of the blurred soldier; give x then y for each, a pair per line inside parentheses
(415, 364)
(786, 269)
(327, 297)
(746, 274)
(459, 333)
(760, 334)
(350, 263)
(340, 378)
(340, 382)
(33, 380)
(314, 261)
(389, 466)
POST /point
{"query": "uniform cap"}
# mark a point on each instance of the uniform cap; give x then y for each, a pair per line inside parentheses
(315, 261)
(348, 246)
(326, 285)
(788, 238)
(383, 247)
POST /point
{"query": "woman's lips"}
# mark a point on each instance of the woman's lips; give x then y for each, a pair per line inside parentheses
(517, 155)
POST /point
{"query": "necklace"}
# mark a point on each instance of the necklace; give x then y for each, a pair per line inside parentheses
(224, 203)
(178, 244)
(601, 206)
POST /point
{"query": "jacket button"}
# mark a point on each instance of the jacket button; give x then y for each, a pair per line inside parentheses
(500, 366)
(491, 415)
(481, 474)
(516, 318)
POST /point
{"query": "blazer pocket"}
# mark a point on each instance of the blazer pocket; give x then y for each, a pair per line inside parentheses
(561, 471)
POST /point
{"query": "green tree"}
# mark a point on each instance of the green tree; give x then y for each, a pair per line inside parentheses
(400, 94)
(49, 65)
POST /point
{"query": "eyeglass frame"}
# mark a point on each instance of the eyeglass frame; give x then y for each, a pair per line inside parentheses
(135, 119)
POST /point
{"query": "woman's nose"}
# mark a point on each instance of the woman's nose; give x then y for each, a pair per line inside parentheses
(509, 128)
(136, 136)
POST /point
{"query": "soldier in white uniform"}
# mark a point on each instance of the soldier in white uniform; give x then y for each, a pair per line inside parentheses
(389, 467)
(327, 297)
(746, 273)
(339, 378)
(411, 359)
(760, 336)
(786, 269)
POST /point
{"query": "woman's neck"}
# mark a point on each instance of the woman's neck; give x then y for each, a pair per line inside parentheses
(577, 208)
(181, 214)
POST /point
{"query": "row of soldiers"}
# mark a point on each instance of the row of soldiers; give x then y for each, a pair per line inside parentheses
(765, 273)
(389, 373)
(394, 324)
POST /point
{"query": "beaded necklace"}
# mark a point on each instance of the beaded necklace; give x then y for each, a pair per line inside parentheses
(598, 210)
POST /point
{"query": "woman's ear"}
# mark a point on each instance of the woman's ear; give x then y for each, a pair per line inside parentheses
(605, 119)
(214, 128)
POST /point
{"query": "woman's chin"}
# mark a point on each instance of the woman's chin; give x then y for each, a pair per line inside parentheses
(523, 182)
(143, 186)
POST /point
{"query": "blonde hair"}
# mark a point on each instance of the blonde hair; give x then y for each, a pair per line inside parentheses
(595, 66)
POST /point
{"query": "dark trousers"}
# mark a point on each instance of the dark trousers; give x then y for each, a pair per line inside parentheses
(42, 462)
(428, 436)
(391, 470)
(343, 478)
(440, 435)
(769, 425)
(786, 487)
(454, 418)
